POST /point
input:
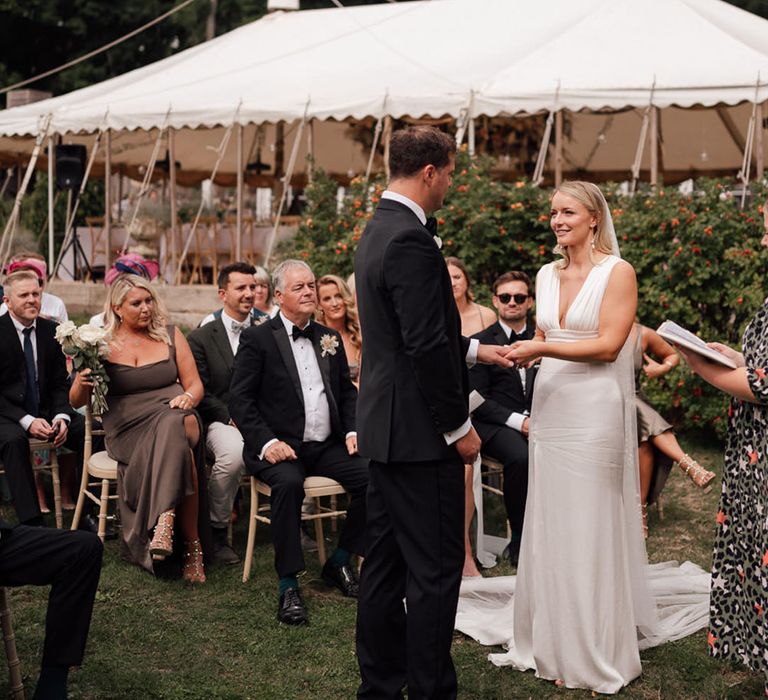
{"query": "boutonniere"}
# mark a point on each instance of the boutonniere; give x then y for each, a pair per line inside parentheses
(328, 344)
(438, 242)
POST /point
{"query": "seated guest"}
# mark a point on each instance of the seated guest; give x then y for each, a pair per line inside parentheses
(70, 562)
(336, 309)
(261, 311)
(33, 392)
(151, 427)
(51, 306)
(658, 447)
(294, 403)
(129, 264)
(214, 347)
(502, 419)
(474, 316)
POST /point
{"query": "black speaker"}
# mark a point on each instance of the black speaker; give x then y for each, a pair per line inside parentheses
(70, 166)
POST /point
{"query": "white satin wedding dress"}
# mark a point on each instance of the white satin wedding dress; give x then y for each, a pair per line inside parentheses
(585, 600)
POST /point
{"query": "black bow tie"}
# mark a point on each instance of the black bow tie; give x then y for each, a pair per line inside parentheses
(514, 337)
(297, 332)
(431, 225)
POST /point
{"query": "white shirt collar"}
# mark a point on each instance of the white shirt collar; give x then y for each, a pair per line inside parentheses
(228, 320)
(20, 327)
(508, 329)
(415, 208)
(290, 324)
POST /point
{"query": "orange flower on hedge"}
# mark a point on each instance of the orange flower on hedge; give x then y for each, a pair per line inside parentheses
(708, 230)
(441, 221)
(675, 221)
(519, 184)
(543, 217)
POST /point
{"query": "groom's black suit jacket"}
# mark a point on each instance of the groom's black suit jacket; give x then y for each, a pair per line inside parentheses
(413, 384)
(265, 398)
(52, 380)
(500, 387)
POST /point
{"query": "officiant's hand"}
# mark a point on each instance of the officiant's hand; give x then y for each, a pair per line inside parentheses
(525, 352)
(493, 355)
(468, 446)
(730, 353)
(279, 452)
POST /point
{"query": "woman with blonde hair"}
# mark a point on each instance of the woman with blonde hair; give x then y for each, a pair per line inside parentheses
(336, 309)
(582, 596)
(152, 429)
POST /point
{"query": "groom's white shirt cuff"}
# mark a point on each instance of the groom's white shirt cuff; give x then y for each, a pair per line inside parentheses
(515, 421)
(454, 435)
(471, 358)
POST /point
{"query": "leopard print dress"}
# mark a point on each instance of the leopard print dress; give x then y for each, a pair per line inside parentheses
(739, 601)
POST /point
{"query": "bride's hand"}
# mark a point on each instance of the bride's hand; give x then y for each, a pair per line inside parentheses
(526, 352)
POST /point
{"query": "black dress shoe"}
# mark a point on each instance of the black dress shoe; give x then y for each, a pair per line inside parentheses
(343, 577)
(290, 609)
(90, 523)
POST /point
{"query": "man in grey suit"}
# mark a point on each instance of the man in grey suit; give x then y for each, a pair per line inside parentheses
(214, 346)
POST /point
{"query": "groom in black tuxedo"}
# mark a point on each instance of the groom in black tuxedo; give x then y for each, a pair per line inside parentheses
(414, 425)
(293, 401)
(502, 419)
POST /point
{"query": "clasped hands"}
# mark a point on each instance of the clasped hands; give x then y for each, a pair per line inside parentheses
(43, 430)
(523, 353)
(280, 451)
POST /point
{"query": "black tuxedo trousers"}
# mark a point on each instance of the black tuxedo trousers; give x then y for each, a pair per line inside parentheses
(415, 547)
(69, 562)
(286, 479)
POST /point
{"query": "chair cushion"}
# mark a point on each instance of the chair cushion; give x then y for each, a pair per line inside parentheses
(102, 466)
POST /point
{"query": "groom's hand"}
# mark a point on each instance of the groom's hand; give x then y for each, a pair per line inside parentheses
(468, 446)
(494, 355)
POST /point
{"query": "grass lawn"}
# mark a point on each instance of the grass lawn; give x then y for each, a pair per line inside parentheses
(154, 638)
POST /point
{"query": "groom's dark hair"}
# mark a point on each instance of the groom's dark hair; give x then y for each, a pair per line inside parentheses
(413, 148)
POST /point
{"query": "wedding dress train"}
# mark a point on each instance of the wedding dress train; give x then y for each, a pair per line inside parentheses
(584, 601)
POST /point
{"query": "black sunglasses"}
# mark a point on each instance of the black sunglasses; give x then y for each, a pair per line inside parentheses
(519, 298)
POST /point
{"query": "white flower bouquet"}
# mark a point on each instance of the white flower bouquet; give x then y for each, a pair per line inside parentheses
(87, 345)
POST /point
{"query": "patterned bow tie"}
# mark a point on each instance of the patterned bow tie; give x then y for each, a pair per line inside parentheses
(237, 327)
(431, 226)
(297, 332)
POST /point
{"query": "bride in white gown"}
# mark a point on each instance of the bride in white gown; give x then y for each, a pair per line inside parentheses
(584, 601)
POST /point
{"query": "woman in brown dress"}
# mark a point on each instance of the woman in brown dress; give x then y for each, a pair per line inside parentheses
(151, 428)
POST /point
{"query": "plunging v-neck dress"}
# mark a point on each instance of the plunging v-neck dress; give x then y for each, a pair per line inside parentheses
(148, 440)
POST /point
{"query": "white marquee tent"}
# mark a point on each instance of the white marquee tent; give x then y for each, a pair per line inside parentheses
(701, 64)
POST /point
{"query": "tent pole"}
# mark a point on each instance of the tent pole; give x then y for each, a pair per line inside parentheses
(311, 151)
(759, 147)
(471, 138)
(385, 139)
(51, 222)
(654, 146)
(558, 147)
(240, 168)
(174, 200)
(120, 193)
(107, 202)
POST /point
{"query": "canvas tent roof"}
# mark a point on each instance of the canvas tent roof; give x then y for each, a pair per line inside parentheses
(427, 58)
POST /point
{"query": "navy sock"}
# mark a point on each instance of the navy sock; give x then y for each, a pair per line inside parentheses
(287, 582)
(340, 557)
(52, 684)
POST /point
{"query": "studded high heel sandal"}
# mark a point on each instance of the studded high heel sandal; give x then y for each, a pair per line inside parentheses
(193, 570)
(696, 473)
(162, 539)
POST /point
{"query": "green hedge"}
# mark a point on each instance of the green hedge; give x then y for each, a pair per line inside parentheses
(697, 256)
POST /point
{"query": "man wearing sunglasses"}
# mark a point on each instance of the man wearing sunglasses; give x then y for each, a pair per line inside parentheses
(502, 419)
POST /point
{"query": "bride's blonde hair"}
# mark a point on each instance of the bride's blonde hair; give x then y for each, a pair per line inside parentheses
(588, 194)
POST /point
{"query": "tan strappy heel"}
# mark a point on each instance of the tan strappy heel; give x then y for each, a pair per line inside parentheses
(696, 473)
(194, 570)
(162, 539)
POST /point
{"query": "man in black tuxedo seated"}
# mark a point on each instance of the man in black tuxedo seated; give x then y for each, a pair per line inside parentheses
(70, 562)
(502, 419)
(293, 401)
(34, 393)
